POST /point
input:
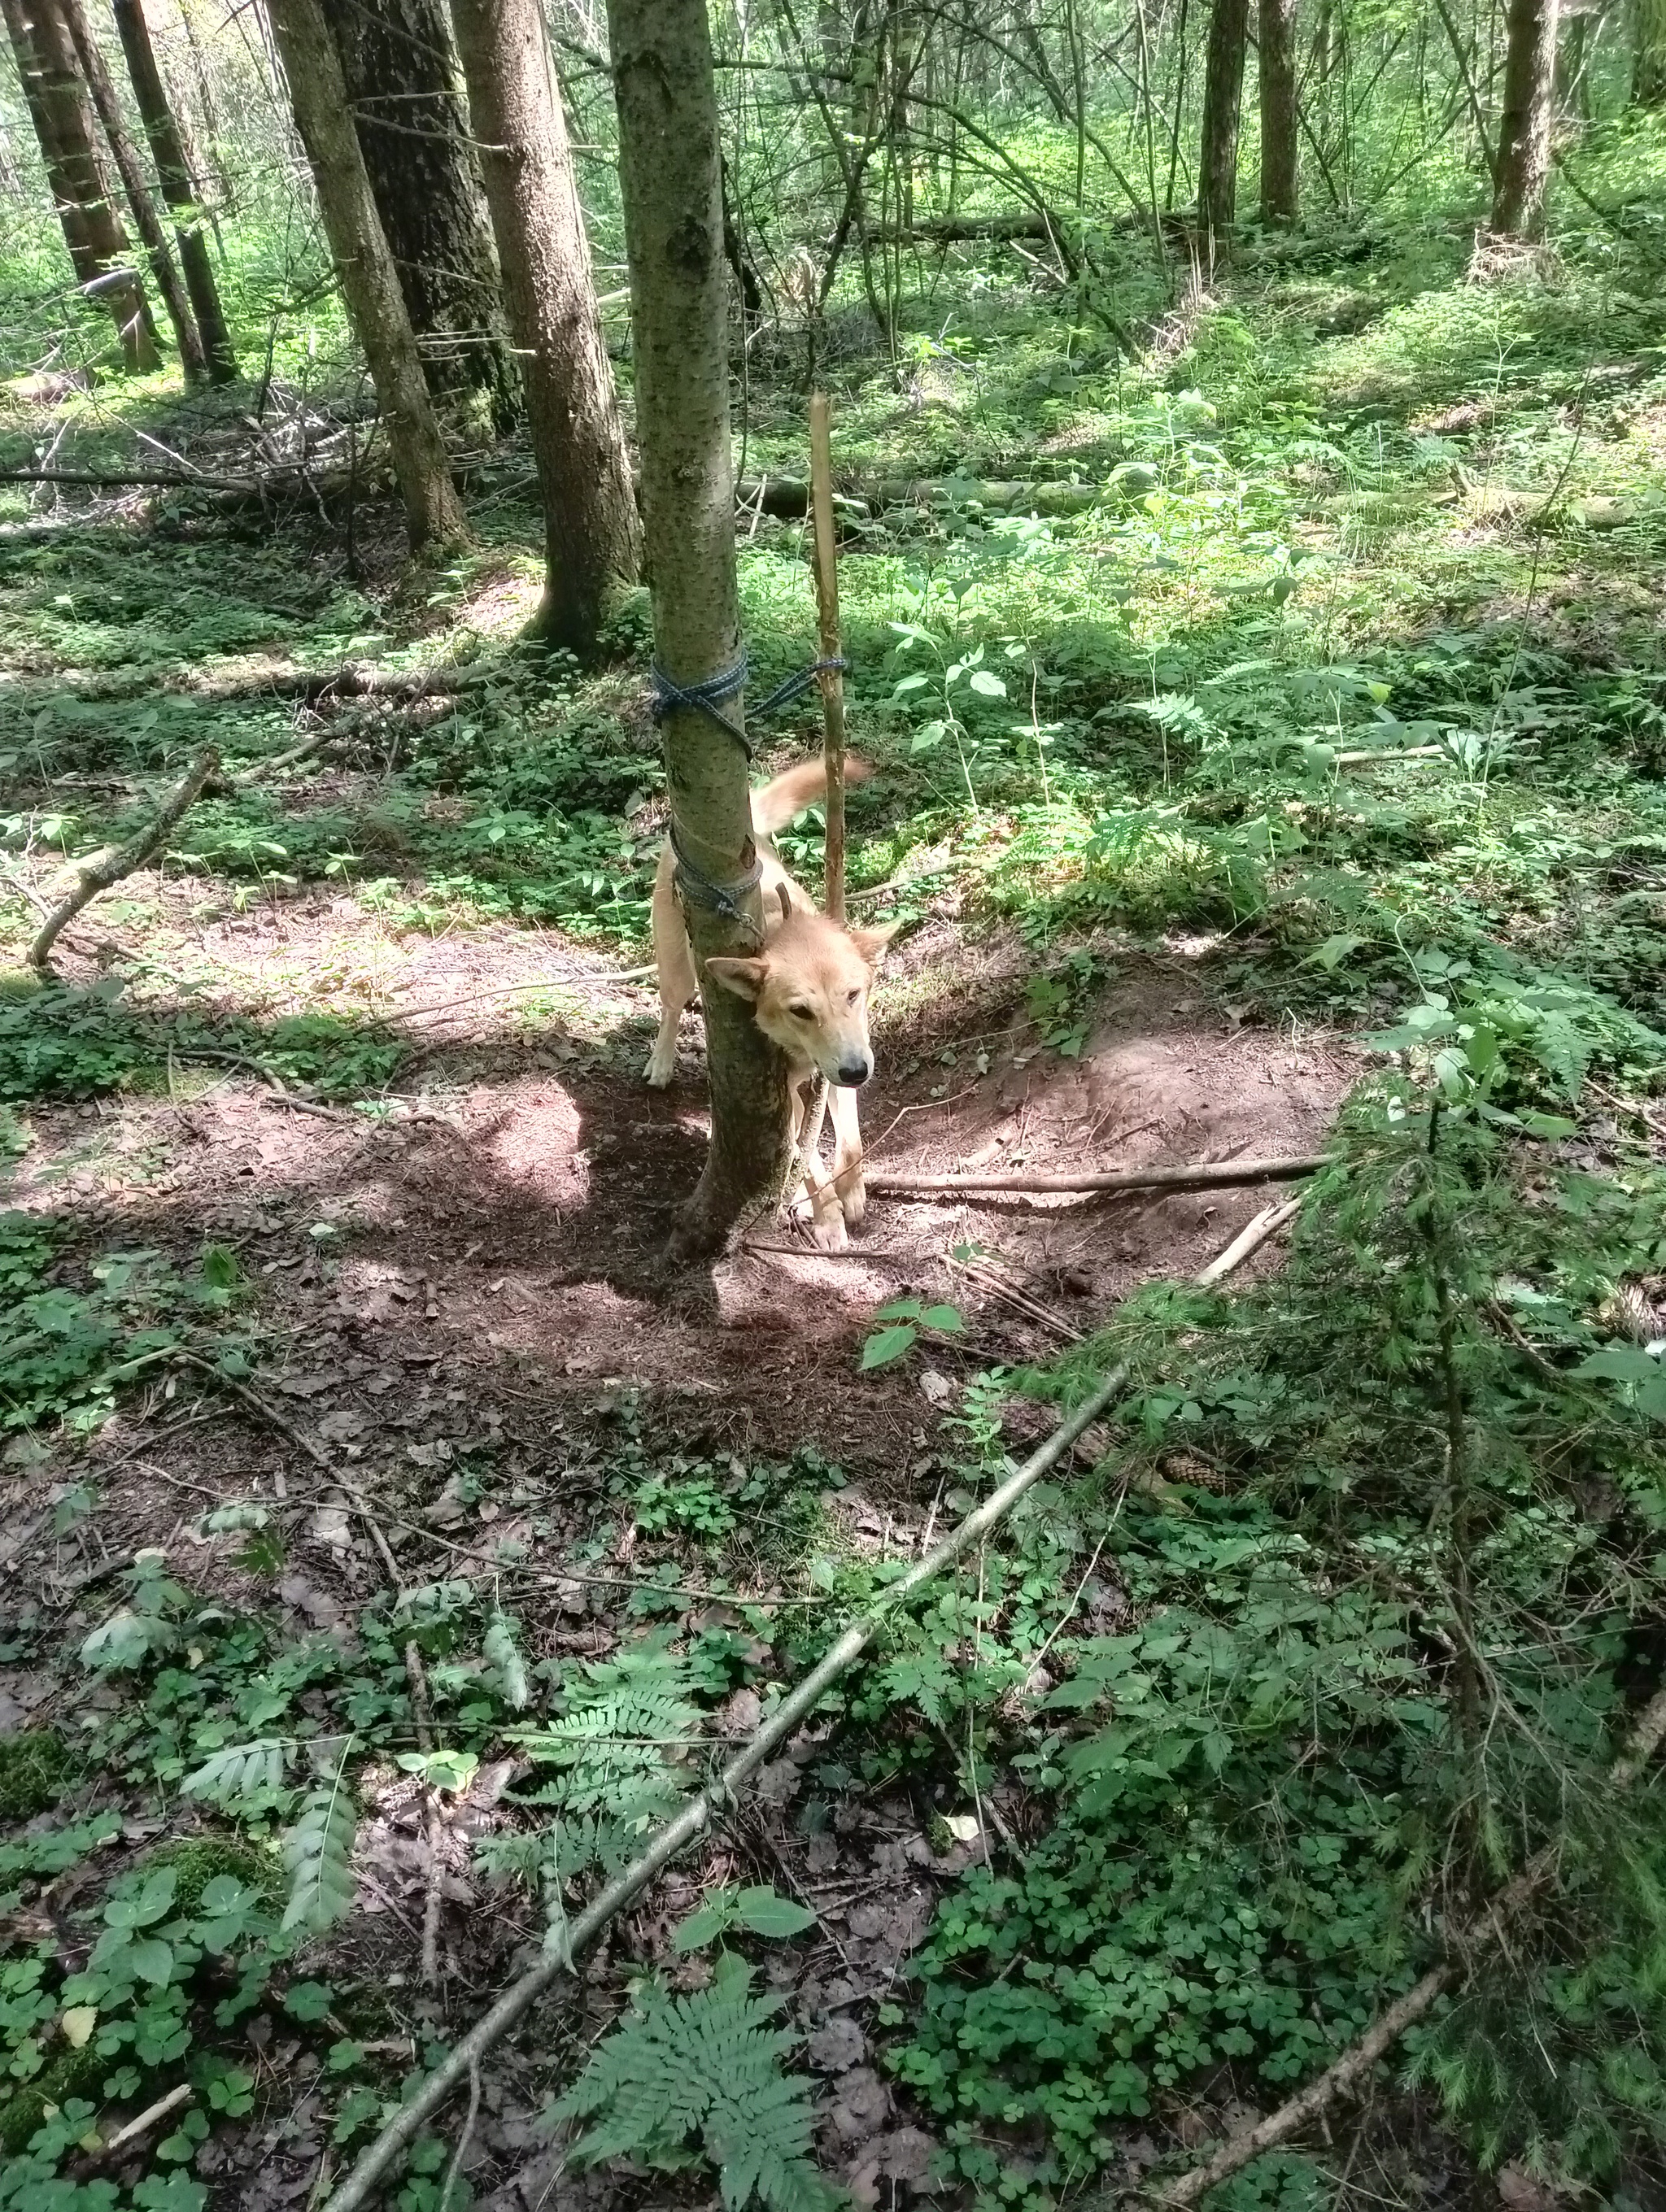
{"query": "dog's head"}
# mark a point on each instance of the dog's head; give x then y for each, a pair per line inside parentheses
(809, 989)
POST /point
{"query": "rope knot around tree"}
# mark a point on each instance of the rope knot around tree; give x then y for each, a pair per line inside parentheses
(705, 697)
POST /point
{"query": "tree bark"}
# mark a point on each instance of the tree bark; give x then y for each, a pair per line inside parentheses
(62, 115)
(402, 87)
(669, 180)
(178, 189)
(369, 282)
(591, 534)
(1529, 77)
(136, 187)
(1649, 54)
(1223, 93)
(1280, 130)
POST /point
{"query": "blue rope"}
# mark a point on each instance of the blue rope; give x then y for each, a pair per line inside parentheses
(703, 698)
(794, 685)
(706, 697)
(717, 898)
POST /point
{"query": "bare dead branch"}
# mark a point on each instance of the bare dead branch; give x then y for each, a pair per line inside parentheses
(98, 876)
(1209, 1174)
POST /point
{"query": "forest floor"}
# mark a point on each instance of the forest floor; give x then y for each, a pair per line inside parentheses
(344, 1102)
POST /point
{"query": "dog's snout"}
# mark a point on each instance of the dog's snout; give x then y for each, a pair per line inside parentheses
(852, 1072)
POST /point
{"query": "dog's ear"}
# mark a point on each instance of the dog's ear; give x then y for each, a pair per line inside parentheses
(744, 977)
(871, 943)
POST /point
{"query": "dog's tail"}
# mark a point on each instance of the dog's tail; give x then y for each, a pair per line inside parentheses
(775, 803)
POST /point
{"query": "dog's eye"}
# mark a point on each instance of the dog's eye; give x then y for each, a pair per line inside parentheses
(802, 1013)
(851, 997)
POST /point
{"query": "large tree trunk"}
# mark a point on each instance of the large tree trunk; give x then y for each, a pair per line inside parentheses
(669, 178)
(401, 74)
(174, 171)
(1649, 54)
(137, 185)
(1223, 94)
(369, 282)
(62, 118)
(1276, 71)
(1530, 76)
(591, 530)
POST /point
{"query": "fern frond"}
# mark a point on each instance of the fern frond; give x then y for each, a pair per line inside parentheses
(709, 2062)
(502, 1652)
(318, 1850)
(618, 1753)
(238, 1770)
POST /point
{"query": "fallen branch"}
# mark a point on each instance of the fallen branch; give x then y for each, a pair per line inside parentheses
(147, 2119)
(1223, 1175)
(128, 480)
(1381, 755)
(716, 1798)
(96, 875)
(1466, 1946)
(1251, 1238)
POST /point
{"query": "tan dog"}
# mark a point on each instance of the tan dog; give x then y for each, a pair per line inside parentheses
(809, 987)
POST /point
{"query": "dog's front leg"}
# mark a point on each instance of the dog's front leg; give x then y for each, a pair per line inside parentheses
(677, 986)
(847, 1183)
(825, 1209)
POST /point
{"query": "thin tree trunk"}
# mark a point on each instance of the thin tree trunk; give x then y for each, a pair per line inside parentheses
(1523, 163)
(174, 171)
(1649, 54)
(1223, 93)
(369, 282)
(62, 118)
(669, 180)
(592, 533)
(136, 185)
(1280, 129)
(407, 108)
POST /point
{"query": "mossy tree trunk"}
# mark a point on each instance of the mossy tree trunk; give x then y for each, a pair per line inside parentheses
(1223, 95)
(669, 175)
(178, 189)
(136, 187)
(61, 112)
(591, 532)
(402, 91)
(1275, 54)
(1530, 80)
(369, 282)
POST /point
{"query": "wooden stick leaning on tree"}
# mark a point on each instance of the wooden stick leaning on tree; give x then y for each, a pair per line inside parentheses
(96, 875)
(719, 1797)
(1465, 1948)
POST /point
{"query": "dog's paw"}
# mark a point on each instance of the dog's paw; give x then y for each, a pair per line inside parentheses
(852, 1191)
(661, 1065)
(831, 1235)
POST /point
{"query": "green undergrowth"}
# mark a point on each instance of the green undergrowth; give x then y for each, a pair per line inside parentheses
(1371, 1654)
(1325, 639)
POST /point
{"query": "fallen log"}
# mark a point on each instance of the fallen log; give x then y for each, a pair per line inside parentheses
(788, 498)
(1211, 1175)
(970, 229)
